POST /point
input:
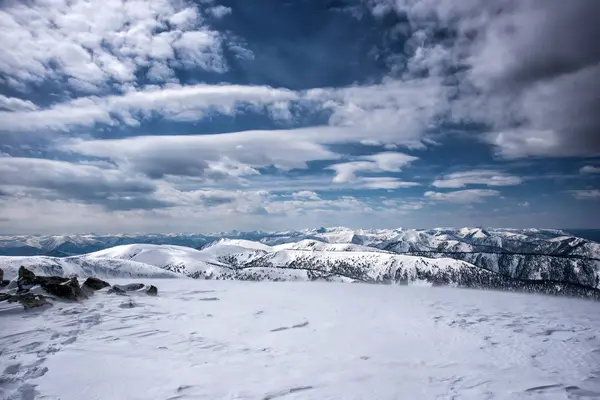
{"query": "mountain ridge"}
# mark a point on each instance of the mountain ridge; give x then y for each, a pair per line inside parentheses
(524, 254)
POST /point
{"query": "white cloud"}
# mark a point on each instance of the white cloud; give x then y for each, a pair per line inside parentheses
(193, 155)
(393, 112)
(219, 11)
(306, 194)
(383, 183)
(477, 177)
(538, 95)
(15, 104)
(588, 194)
(382, 162)
(590, 169)
(86, 183)
(72, 39)
(174, 102)
(463, 196)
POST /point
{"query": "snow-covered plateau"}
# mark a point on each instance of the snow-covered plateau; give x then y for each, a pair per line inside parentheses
(204, 339)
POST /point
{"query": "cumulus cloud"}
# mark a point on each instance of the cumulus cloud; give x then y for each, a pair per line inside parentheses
(476, 177)
(530, 70)
(48, 40)
(395, 111)
(462, 196)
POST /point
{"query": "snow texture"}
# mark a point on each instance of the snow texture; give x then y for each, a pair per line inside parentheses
(264, 340)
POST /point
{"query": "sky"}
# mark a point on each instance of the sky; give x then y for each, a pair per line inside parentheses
(209, 115)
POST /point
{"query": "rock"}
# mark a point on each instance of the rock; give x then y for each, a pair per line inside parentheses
(26, 279)
(131, 287)
(68, 289)
(152, 291)
(117, 290)
(64, 288)
(93, 284)
(28, 300)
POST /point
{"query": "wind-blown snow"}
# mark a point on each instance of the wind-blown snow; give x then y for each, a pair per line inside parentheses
(241, 340)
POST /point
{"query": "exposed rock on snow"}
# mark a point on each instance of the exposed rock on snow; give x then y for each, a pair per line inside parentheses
(133, 288)
(63, 288)
(92, 284)
(152, 291)
(27, 300)
(32, 291)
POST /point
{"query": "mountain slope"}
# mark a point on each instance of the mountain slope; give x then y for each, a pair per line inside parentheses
(100, 267)
(179, 259)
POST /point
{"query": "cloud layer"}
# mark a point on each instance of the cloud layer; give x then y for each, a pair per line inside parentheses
(198, 116)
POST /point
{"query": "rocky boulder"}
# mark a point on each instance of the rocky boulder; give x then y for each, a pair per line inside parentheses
(152, 291)
(68, 290)
(2, 281)
(134, 288)
(117, 290)
(27, 300)
(92, 284)
(64, 288)
(25, 279)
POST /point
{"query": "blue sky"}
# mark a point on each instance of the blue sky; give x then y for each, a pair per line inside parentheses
(173, 115)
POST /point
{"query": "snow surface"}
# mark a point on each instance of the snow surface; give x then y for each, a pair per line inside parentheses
(316, 245)
(180, 258)
(264, 340)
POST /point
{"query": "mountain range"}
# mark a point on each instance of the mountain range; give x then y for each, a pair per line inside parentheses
(470, 257)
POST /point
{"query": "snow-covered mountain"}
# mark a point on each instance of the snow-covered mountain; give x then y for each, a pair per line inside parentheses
(247, 260)
(515, 253)
(100, 267)
(536, 241)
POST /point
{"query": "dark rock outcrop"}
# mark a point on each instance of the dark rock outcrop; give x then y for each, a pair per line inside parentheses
(92, 284)
(28, 300)
(117, 290)
(2, 281)
(152, 291)
(26, 279)
(68, 290)
(133, 287)
(64, 288)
